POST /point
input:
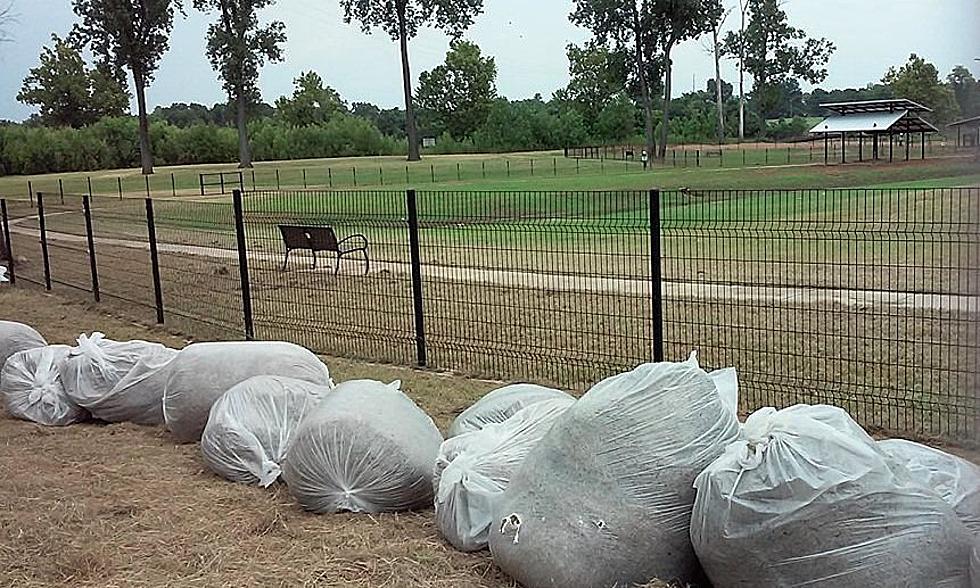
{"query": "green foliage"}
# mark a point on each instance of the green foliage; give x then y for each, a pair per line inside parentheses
(312, 103)
(458, 93)
(134, 35)
(452, 16)
(528, 125)
(966, 89)
(776, 52)
(918, 80)
(597, 77)
(68, 93)
(238, 46)
(617, 120)
(390, 121)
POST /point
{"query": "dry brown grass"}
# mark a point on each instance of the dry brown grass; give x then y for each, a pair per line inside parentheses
(122, 505)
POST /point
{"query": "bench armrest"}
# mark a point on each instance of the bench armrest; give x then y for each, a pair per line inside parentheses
(355, 242)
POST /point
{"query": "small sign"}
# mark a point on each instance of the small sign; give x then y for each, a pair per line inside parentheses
(428, 142)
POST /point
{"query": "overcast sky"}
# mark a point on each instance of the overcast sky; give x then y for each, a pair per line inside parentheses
(527, 37)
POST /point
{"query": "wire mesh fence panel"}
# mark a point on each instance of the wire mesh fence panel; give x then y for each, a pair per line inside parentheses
(122, 254)
(866, 299)
(358, 304)
(199, 267)
(66, 240)
(547, 287)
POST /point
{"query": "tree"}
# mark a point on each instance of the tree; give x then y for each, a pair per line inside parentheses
(70, 94)
(390, 121)
(402, 19)
(312, 102)
(627, 27)
(617, 120)
(6, 19)
(237, 48)
(775, 52)
(459, 93)
(679, 20)
(134, 35)
(596, 77)
(717, 51)
(918, 80)
(966, 89)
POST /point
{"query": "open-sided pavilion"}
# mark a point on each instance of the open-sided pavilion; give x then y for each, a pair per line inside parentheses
(871, 121)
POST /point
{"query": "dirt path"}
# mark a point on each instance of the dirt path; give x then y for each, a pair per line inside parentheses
(694, 291)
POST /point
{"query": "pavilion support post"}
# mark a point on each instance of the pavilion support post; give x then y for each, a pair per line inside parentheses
(959, 137)
(891, 147)
(860, 148)
(826, 148)
(843, 147)
(908, 138)
(874, 147)
(923, 145)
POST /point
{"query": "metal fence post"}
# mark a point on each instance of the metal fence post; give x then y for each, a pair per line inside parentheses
(173, 185)
(413, 239)
(243, 265)
(61, 190)
(146, 180)
(30, 192)
(119, 187)
(6, 240)
(89, 179)
(278, 184)
(151, 229)
(201, 177)
(44, 241)
(656, 278)
(93, 266)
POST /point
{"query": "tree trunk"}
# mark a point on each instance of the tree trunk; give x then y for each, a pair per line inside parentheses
(668, 67)
(244, 148)
(146, 153)
(410, 128)
(651, 143)
(741, 76)
(719, 99)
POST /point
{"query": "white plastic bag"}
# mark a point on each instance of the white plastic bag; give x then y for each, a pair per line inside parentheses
(474, 469)
(806, 498)
(366, 447)
(118, 381)
(956, 480)
(251, 425)
(500, 404)
(17, 337)
(605, 498)
(32, 389)
(975, 563)
(202, 372)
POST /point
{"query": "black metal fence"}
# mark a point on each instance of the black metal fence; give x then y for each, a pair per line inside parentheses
(866, 299)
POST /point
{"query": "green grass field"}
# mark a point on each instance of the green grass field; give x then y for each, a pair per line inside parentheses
(546, 171)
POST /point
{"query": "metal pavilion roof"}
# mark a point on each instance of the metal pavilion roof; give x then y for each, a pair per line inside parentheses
(965, 122)
(898, 122)
(863, 106)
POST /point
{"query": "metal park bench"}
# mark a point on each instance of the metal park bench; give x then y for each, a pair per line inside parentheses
(317, 239)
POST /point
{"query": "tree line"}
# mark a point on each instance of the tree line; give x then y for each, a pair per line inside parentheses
(619, 87)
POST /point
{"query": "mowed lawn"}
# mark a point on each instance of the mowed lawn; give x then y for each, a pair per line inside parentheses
(537, 171)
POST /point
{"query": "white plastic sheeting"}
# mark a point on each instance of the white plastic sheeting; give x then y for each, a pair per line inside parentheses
(806, 498)
(605, 498)
(250, 427)
(17, 337)
(956, 480)
(202, 372)
(32, 388)
(118, 381)
(474, 469)
(366, 447)
(500, 404)
(975, 563)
